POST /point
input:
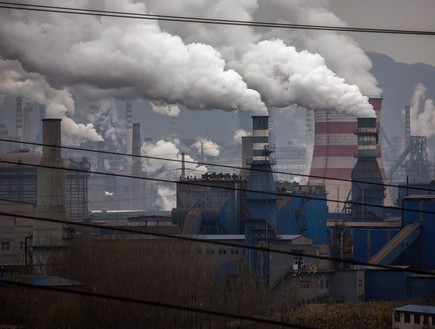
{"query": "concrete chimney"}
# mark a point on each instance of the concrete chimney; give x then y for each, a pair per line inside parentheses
(50, 192)
(368, 191)
(19, 120)
(137, 184)
(28, 124)
(407, 123)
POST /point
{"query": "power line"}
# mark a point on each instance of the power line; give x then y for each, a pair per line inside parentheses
(192, 238)
(191, 19)
(73, 148)
(156, 304)
(203, 183)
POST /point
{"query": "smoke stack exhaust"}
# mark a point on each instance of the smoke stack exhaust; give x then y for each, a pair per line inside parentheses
(19, 120)
(260, 133)
(368, 191)
(407, 123)
(137, 184)
(50, 194)
(261, 189)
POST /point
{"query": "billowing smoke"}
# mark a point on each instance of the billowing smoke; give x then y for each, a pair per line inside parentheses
(239, 133)
(108, 123)
(209, 147)
(58, 102)
(338, 68)
(285, 76)
(126, 58)
(341, 53)
(196, 65)
(422, 113)
(166, 169)
(171, 110)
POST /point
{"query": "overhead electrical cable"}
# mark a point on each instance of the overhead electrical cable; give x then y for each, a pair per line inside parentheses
(156, 304)
(73, 148)
(201, 20)
(203, 183)
(196, 239)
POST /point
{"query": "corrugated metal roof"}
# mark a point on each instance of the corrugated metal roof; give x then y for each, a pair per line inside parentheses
(425, 309)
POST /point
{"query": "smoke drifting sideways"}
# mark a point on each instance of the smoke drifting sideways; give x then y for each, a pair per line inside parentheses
(209, 147)
(239, 133)
(126, 59)
(171, 110)
(198, 66)
(274, 61)
(168, 170)
(422, 113)
(58, 103)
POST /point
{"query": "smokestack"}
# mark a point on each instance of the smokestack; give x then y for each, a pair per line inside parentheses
(261, 206)
(335, 146)
(367, 181)
(19, 120)
(129, 121)
(367, 137)
(29, 124)
(260, 133)
(407, 123)
(50, 192)
(308, 128)
(137, 184)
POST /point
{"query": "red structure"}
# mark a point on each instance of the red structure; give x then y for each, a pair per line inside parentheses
(335, 148)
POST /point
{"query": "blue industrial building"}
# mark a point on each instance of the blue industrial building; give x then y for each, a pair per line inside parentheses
(258, 211)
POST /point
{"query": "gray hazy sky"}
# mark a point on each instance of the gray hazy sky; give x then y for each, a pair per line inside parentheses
(392, 14)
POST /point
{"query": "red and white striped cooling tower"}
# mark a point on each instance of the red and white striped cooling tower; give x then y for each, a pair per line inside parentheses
(335, 148)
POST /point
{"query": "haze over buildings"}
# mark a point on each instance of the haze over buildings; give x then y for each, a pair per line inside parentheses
(198, 101)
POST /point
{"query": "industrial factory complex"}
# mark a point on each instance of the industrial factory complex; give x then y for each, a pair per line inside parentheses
(355, 230)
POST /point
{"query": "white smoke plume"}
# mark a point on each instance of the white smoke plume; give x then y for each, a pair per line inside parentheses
(209, 147)
(166, 197)
(171, 110)
(422, 113)
(341, 53)
(58, 102)
(199, 66)
(129, 58)
(166, 169)
(335, 60)
(108, 122)
(239, 133)
(291, 77)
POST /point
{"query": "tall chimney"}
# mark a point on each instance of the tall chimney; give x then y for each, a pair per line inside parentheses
(28, 123)
(260, 132)
(261, 205)
(407, 123)
(335, 146)
(128, 137)
(19, 120)
(50, 194)
(129, 120)
(137, 184)
(368, 191)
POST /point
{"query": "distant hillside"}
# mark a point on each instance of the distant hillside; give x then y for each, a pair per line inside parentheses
(398, 81)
